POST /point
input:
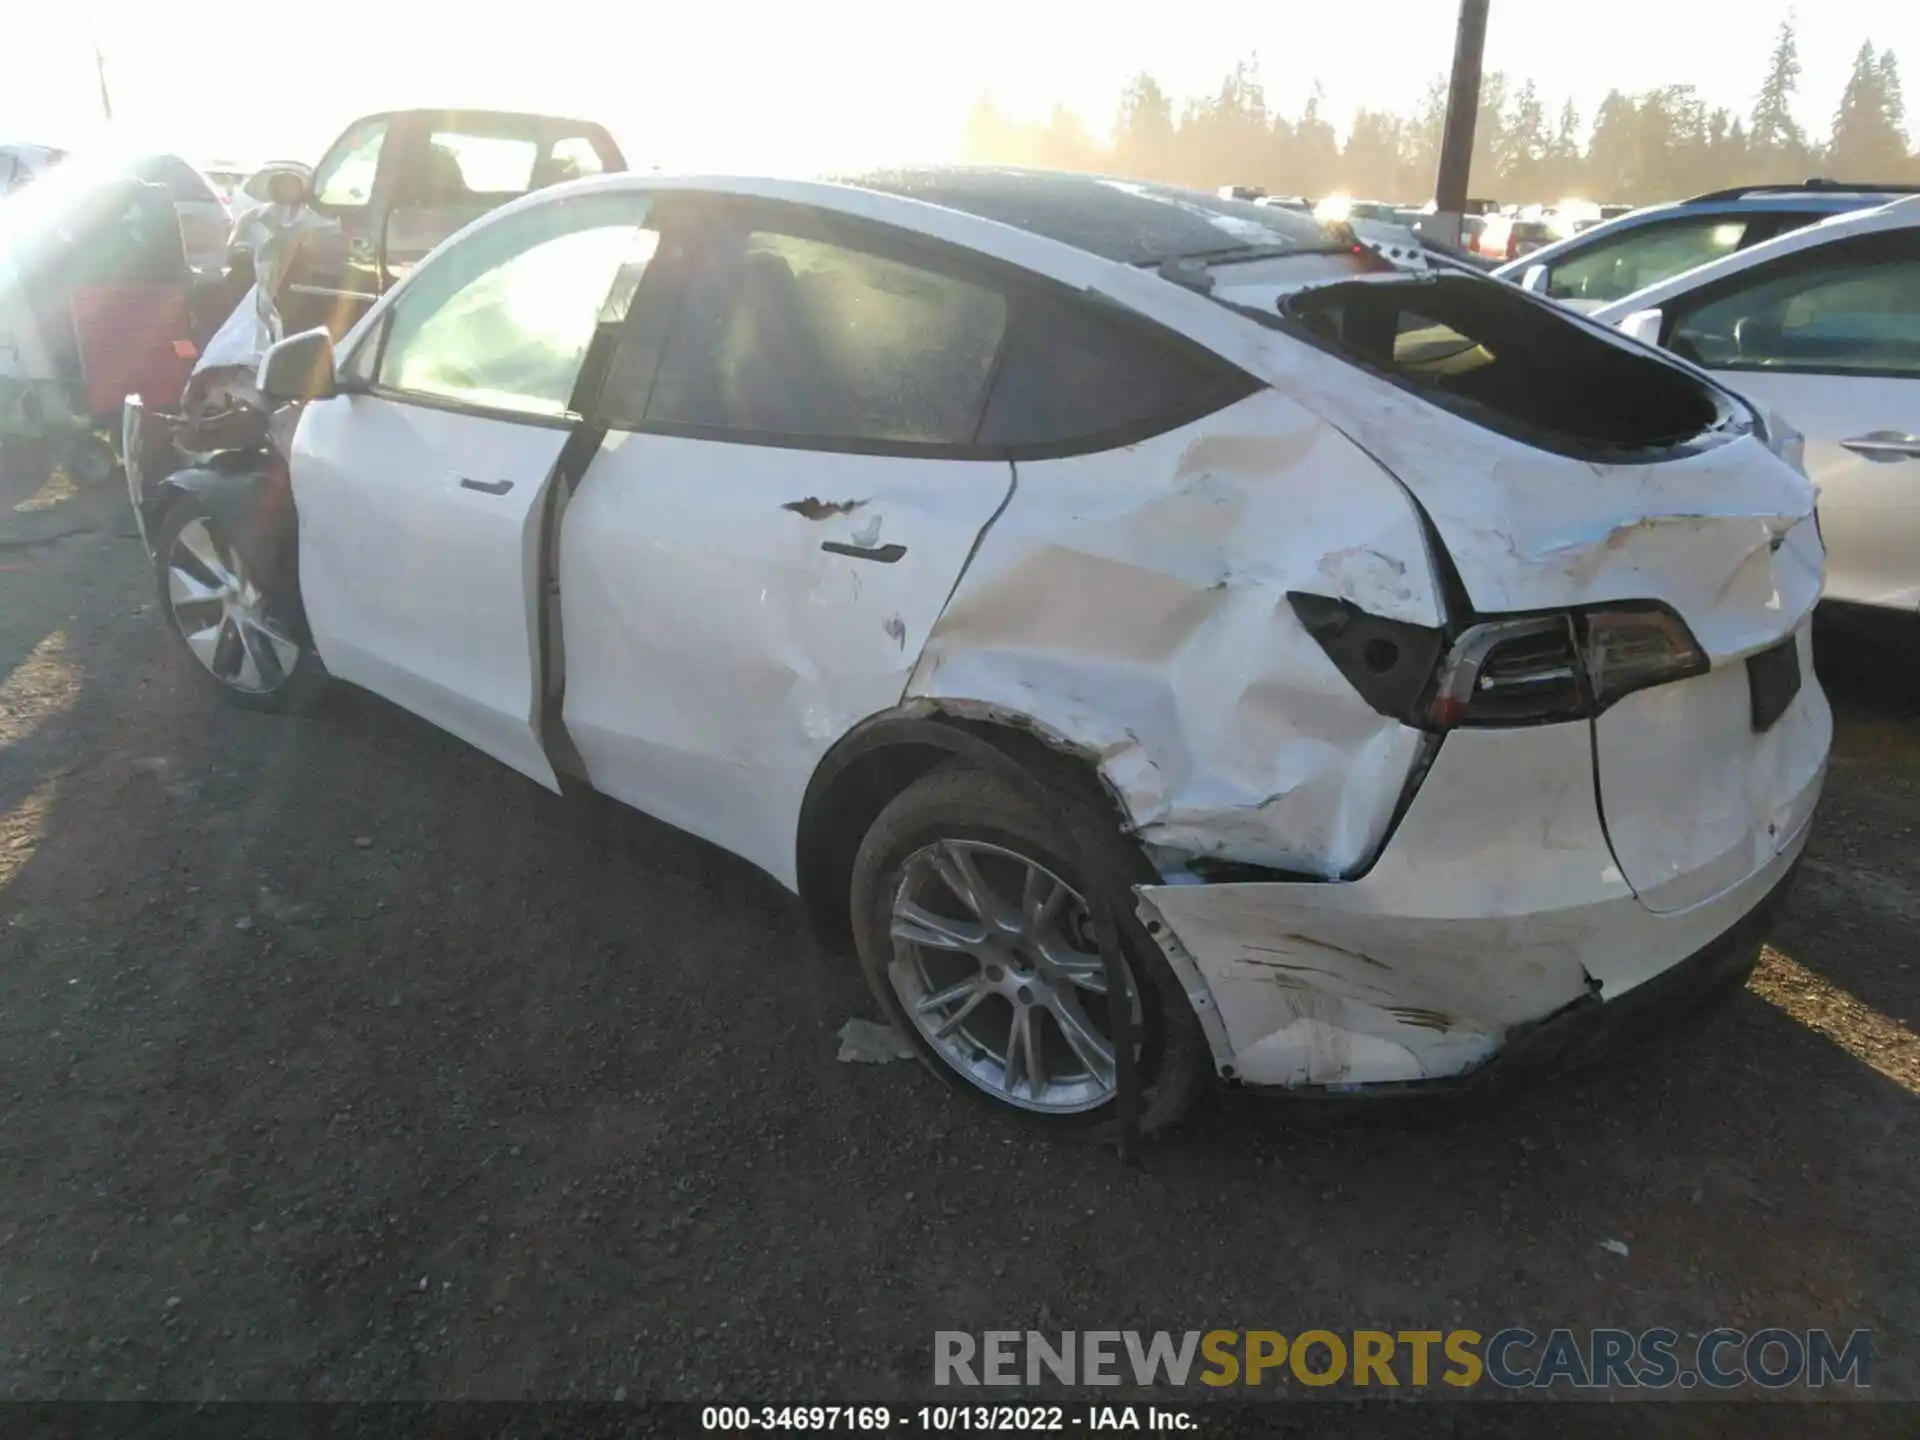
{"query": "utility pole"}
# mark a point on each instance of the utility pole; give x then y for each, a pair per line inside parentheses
(100, 68)
(1463, 108)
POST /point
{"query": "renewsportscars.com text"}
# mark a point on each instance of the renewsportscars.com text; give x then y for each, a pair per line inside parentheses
(1511, 1359)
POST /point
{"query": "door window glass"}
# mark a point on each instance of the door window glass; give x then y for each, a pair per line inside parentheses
(572, 158)
(345, 178)
(1072, 374)
(460, 166)
(503, 320)
(1861, 315)
(780, 335)
(183, 182)
(1616, 267)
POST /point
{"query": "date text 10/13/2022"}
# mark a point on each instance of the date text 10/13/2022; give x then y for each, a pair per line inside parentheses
(977, 1419)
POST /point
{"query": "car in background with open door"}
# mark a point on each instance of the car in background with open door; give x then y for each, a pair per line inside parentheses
(399, 183)
(1822, 327)
(204, 221)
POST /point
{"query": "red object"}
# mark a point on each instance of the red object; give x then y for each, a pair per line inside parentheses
(132, 340)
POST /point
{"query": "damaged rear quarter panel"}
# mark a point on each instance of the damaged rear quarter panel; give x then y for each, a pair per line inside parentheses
(1530, 529)
(1133, 603)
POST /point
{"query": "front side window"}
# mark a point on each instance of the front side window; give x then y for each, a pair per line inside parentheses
(344, 180)
(1836, 315)
(502, 321)
(781, 335)
(1614, 268)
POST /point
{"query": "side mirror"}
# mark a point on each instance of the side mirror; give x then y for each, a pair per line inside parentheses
(1644, 326)
(300, 367)
(1535, 279)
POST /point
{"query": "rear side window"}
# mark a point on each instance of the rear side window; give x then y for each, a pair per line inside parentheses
(1075, 379)
(460, 166)
(779, 335)
(1502, 359)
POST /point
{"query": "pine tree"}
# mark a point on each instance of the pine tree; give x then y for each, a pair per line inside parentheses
(1143, 135)
(1867, 144)
(1316, 150)
(1522, 146)
(1779, 146)
(1892, 103)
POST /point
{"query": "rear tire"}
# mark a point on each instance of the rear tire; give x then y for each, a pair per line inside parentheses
(235, 632)
(1002, 995)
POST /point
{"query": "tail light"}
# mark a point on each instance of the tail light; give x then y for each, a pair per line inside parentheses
(1561, 667)
(1526, 670)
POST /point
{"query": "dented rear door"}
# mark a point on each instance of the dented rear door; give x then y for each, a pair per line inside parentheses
(732, 609)
(780, 510)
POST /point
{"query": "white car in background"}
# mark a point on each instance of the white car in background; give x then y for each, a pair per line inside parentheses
(21, 165)
(1822, 326)
(1171, 638)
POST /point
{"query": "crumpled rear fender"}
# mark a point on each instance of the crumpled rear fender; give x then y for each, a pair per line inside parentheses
(1134, 603)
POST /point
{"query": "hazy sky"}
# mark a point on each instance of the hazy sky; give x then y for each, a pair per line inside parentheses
(822, 83)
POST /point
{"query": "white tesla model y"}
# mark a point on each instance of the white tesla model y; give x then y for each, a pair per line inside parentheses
(1172, 636)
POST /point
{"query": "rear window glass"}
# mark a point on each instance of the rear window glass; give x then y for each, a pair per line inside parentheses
(1500, 358)
(1072, 375)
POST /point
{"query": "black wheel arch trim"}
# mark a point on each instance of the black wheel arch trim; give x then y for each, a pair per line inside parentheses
(885, 753)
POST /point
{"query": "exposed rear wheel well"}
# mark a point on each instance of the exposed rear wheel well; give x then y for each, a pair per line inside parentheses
(880, 759)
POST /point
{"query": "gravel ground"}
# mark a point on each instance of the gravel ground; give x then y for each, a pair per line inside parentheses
(336, 1061)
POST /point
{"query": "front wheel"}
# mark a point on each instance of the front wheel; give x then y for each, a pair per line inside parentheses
(214, 600)
(976, 937)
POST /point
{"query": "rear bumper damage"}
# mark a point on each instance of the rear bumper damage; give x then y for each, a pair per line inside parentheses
(1496, 935)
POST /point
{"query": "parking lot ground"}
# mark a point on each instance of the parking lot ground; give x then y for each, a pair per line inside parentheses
(337, 1061)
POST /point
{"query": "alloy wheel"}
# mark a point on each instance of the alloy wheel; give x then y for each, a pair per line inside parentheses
(996, 965)
(222, 614)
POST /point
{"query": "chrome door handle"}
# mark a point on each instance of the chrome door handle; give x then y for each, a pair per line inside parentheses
(1884, 446)
(486, 487)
